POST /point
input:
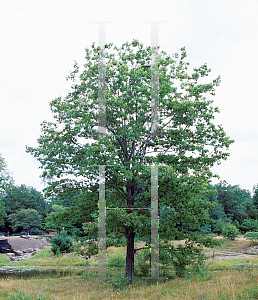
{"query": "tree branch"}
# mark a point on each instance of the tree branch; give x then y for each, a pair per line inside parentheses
(141, 249)
(141, 184)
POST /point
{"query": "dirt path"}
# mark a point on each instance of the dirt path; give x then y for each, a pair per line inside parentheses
(234, 252)
(221, 254)
(21, 244)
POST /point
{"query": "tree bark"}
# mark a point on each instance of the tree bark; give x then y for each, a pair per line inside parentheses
(129, 270)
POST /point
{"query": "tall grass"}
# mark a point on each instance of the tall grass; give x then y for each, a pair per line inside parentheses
(228, 279)
(116, 257)
(225, 284)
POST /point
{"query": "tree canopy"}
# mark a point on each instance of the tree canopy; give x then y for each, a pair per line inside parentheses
(25, 219)
(18, 197)
(6, 179)
(185, 145)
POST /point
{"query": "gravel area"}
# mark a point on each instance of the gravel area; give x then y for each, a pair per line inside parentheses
(21, 244)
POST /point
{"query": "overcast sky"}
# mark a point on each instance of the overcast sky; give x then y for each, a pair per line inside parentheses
(39, 41)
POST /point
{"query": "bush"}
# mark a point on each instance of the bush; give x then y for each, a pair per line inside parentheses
(249, 225)
(61, 243)
(142, 263)
(229, 231)
(251, 235)
(183, 256)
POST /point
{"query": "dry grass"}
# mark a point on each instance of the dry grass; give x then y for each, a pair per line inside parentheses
(221, 285)
(227, 279)
(239, 243)
(227, 264)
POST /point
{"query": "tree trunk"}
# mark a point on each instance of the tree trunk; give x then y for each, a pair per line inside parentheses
(129, 271)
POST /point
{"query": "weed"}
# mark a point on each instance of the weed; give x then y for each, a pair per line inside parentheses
(25, 296)
(250, 293)
(3, 259)
(118, 282)
(117, 258)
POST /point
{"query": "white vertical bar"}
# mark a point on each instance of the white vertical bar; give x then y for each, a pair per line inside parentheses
(102, 87)
(154, 77)
(154, 223)
(102, 225)
(102, 130)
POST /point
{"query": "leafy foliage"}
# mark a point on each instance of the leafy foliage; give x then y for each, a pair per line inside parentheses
(183, 256)
(25, 219)
(61, 243)
(142, 263)
(249, 225)
(23, 197)
(185, 145)
(251, 235)
(229, 231)
(3, 214)
(255, 197)
(6, 179)
(231, 200)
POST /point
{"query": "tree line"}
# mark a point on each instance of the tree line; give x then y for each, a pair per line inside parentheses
(25, 208)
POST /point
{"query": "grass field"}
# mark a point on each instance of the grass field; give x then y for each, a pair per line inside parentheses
(71, 277)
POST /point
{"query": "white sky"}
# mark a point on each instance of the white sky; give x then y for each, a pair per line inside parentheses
(39, 41)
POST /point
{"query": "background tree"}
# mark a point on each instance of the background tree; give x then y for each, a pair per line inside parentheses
(25, 219)
(255, 196)
(3, 214)
(6, 181)
(232, 202)
(186, 140)
(18, 197)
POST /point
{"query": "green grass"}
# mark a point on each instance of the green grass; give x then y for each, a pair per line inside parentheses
(229, 264)
(225, 284)
(3, 260)
(223, 279)
(45, 258)
(116, 257)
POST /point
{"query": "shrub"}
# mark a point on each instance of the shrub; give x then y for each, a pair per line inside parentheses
(249, 225)
(251, 235)
(229, 231)
(183, 256)
(61, 243)
(204, 228)
(142, 263)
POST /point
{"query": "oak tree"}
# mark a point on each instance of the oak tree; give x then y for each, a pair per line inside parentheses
(185, 145)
